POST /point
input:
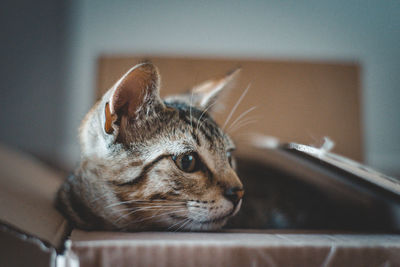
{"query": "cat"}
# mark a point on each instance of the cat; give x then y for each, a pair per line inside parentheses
(148, 163)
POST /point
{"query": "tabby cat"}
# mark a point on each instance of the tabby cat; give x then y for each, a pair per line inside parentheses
(148, 163)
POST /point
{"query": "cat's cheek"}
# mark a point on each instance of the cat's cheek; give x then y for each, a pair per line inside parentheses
(209, 211)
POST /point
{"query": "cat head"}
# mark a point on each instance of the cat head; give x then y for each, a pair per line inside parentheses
(152, 163)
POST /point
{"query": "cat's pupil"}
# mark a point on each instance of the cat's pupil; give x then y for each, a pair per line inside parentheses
(186, 162)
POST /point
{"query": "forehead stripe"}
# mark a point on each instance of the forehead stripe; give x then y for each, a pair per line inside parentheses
(198, 120)
(195, 137)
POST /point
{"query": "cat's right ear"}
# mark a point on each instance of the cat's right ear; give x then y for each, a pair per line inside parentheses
(132, 97)
(205, 95)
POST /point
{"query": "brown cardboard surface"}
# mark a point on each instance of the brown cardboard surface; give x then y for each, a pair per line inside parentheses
(27, 191)
(234, 248)
(18, 249)
(297, 101)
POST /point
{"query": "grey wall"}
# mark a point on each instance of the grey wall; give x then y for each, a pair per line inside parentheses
(32, 74)
(48, 68)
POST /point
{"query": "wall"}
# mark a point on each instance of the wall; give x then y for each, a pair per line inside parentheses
(32, 76)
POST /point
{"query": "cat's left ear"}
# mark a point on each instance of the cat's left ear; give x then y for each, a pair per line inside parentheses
(133, 98)
(207, 93)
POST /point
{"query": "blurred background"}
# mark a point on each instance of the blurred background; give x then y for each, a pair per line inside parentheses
(50, 52)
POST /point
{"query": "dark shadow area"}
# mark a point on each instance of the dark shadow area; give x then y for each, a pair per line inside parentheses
(276, 199)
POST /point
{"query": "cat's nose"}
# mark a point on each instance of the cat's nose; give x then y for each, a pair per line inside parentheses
(234, 194)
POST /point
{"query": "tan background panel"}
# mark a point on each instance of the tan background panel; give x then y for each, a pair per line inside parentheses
(297, 101)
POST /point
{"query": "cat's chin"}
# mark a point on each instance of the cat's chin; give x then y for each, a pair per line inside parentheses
(213, 224)
(201, 226)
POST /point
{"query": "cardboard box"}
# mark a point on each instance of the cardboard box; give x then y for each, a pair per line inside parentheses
(302, 207)
(33, 233)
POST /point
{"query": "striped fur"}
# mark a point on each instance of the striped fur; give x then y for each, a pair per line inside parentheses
(127, 178)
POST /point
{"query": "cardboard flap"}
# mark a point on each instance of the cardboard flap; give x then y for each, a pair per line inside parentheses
(352, 167)
(27, 191)
(330, 172)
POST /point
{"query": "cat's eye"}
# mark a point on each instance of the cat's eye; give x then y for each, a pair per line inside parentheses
(187, 162)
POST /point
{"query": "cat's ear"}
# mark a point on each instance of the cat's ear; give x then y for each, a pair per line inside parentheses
(133, 96)
(207, 93)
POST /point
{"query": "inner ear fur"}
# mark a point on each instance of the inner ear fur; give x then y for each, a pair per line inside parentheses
(136, 89)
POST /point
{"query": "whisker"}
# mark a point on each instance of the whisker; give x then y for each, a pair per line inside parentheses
(136, 201)
(244, 120)
(154, 216)
(153, 207)
(177, 211)
(244, 123)
(156, 207)
(241, 116)
(130, 213)
(190, 109)
(235, 106)
(141, 209)
(202, 123)
(117, 204)
(183, 224)
(172, 226)
(175, 224)
(179, 221)
(203, 113)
